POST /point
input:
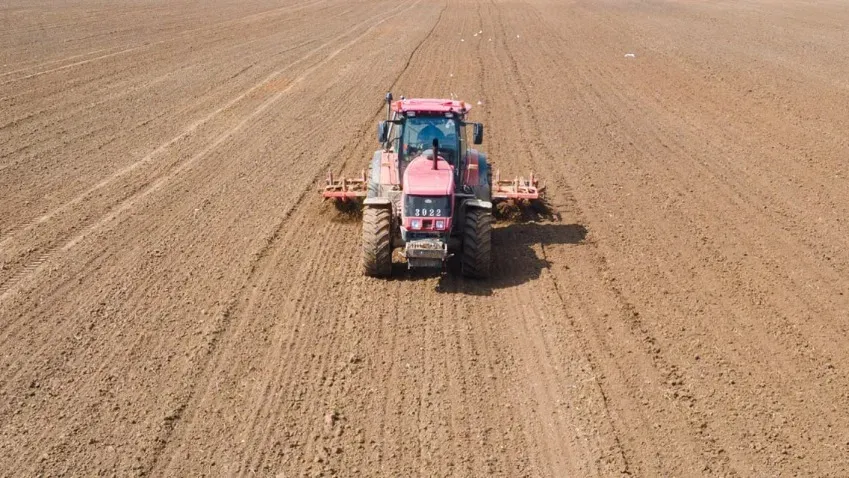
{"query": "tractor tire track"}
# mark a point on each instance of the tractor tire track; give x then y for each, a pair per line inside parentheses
(678, 310)
(116, 211)
(157, 182)
(259, 272)
(182, 36)
(179, 410)
(359, 151)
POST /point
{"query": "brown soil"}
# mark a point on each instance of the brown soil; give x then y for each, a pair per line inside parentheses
(176, 300)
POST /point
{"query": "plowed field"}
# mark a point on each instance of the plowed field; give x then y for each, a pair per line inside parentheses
(176, 300)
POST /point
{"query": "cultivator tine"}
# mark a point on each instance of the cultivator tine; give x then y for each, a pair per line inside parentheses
(519, 188)
(345, 189)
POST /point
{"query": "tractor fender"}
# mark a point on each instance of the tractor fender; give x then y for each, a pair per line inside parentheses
(381, 202)
(374, 175)
(468, 204)
(477, 169)
(477, 204)
(478, 175)
(483, 168)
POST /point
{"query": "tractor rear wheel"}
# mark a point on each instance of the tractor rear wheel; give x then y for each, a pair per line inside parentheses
(377, 239)
(477, 243)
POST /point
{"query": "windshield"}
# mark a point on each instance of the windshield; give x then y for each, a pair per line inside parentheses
(420, 131)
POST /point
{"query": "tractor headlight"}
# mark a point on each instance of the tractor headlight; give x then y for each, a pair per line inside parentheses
(416, 224)
(440, 224)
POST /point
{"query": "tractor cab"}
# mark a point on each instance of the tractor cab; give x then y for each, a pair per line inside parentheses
(418, 132)
(414, 124)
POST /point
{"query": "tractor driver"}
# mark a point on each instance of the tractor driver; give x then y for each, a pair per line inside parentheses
(425, 137)
(428, 134)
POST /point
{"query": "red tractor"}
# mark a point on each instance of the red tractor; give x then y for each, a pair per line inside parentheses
(427, 190)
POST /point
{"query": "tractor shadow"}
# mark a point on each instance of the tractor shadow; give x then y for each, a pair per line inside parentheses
(516, 236)
(514, 260)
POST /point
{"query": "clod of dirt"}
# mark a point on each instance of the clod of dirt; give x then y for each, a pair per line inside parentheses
(331, 418)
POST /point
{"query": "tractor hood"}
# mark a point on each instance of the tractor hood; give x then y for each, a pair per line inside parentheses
(421, 179)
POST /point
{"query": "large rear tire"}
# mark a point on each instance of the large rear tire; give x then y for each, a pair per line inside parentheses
(477, 243)
(377, 240)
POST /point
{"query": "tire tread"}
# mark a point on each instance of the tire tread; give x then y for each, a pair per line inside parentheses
(377, 237)
(477, 244)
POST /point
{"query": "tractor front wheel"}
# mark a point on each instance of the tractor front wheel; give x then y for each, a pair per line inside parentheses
(477, 243)
(377, 240)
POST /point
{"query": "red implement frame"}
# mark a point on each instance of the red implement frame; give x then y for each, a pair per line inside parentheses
(345, 189)
(518, 188)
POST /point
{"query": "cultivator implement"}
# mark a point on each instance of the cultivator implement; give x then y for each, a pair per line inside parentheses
(345, 189)
(517, 189)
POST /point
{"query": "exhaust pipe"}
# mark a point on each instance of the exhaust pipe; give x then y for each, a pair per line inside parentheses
(435, 152)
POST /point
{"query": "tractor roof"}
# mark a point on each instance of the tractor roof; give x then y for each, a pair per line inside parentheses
(429, 105)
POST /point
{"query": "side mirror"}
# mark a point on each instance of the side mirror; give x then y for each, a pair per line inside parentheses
(478, 134)
(382, 131)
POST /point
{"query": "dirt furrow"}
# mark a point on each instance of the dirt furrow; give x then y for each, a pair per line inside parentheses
(127, 202)
(175, 299)
(182, 21)
(763, 339)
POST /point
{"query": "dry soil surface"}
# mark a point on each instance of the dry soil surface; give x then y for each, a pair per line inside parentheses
(176, 300)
